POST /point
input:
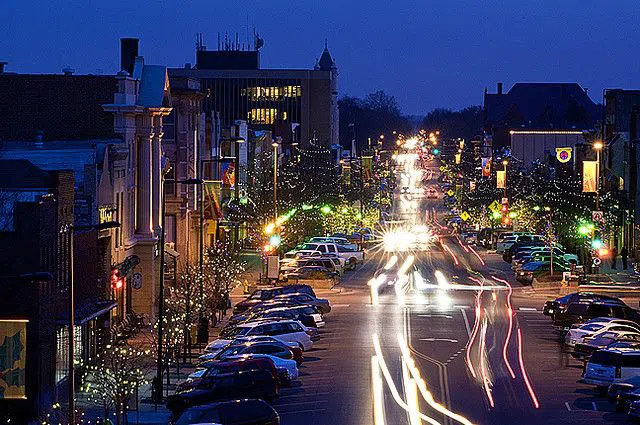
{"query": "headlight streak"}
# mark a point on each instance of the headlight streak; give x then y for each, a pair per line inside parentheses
(476, 325)
(486, 382)
(441, 279)
(375, 285)
(408, 262)
(462, 245)
(446, 248)
(477, 256)
(378, 396)
(426, 394)
(392, 386)
(411, 395)
(418, 281)
(392, 262)
(510, 314)
(536, 404)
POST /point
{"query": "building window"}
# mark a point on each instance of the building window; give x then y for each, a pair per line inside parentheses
(271, 93)
(62, 350)
(170, 226)
(263, 115)
(170, 180)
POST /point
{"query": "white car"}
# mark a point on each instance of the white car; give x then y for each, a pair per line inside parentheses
(305, 309)
(577, 335)
(289, 365)
(506, 243)
(213, 348)
(336, 240)
(283, 330)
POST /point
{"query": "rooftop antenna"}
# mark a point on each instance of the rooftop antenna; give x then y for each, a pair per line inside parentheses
(237, 42)
(218, 40)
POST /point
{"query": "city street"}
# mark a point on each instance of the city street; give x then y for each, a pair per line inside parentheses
(479, 364)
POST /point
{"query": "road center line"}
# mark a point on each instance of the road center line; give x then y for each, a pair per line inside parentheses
(466, 322)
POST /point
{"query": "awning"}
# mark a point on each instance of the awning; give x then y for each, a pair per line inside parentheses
(87, 310)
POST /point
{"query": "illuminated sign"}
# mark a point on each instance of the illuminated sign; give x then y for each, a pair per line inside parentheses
(13, 346)
(107, 214)
(563, 154)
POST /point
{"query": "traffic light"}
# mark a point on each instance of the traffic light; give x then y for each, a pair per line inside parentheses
(117, 281)
(436, 151)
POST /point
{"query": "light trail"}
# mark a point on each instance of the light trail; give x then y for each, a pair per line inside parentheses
(510, 316)
(477, 255)
(446, 248)
(524, 373)
(378, 388)
(392, 262)
(405, 266)
(391, 384)
(486, 382)
(411, 395)
(476, 325)
(464, 246)
(426, 394)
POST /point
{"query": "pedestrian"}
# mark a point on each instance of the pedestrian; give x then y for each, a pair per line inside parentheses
(614, 257)
(624, 254)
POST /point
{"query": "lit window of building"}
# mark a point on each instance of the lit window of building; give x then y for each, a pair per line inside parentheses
(263, 115)
(271, 93)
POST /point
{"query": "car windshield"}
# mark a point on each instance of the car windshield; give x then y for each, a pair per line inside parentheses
(605, 358)
(310, 247)
(231, 351)
(593, 327)
(236, 332)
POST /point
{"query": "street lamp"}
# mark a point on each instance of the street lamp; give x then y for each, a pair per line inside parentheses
(275, 180)
(598, 147)
(505, 163)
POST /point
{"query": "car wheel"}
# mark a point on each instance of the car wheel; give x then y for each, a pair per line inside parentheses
(301, 346)
(353, 263)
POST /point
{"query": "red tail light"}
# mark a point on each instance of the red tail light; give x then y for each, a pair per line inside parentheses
(308, 332)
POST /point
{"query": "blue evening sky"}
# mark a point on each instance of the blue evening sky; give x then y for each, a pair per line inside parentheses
(425, 53)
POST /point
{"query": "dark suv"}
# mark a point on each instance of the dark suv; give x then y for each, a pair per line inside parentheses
(236, 412)
(581, 312)
(244, 384)
(552, 307)
(262, 295)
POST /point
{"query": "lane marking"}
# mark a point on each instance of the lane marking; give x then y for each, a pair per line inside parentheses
(527, 309)
(566, 403)
(297, 412)
(595, 407)
(339, 305)
(466, 322)
(439, 339)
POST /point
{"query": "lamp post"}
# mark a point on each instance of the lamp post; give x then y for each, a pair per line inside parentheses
(505, 163)
(275, 180)
(598, 147)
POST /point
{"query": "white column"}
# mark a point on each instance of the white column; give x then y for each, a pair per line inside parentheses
(156, 173)
(143, 183)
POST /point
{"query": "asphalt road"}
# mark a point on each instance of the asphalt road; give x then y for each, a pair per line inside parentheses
(477, 343)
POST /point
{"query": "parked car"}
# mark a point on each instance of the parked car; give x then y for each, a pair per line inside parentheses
(322, 304)
(634, 411)
(580, 312)
(303, 311)
(520, 246)
(226, 366)
(505, 243)
(336, 240)
(311, 273)
(261, 295)
(287, 369)
(531, 270)
(273, 348)
(552, 307)
(605, 366)
(246, 384)
(469, 237)
(286, 331)
(328, 263)
(235, 412)
(577, 335)
(617, 339)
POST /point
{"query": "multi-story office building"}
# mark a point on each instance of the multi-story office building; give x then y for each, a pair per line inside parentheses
(295, 104)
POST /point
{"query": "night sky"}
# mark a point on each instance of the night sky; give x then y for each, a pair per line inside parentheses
(426, 53)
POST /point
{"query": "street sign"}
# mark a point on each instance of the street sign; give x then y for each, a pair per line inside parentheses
(136, 280)
(465, 216)
(597, 216)
(563, 155)
(450, 192)
(495, 206)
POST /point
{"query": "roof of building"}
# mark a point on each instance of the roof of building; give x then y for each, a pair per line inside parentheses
(153, 87)
(542, 105)
(20, 173)
(326, 62)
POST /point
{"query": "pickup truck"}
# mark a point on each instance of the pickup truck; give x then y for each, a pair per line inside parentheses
(351, 257)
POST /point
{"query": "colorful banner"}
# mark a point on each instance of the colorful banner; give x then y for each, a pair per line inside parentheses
(13, 355)
(212, 210)
(458, 158)
(486, 167)
(367, 168)
(501, 179)
(228, 173)
(589, 176)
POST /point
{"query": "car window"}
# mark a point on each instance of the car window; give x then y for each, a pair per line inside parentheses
(247, 411)
(278, 329)
(194, 416)
(592, 327)
(331, 248)
(294, 327)
(631, 360)
(605, 358)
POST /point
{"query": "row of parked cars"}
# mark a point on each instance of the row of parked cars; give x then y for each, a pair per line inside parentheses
(531, 257)
(321, 258)
(604, 333)
(259, 351)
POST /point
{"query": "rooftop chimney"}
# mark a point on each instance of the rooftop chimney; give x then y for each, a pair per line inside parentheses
(128, 53)
(2, 64)
(499, 88)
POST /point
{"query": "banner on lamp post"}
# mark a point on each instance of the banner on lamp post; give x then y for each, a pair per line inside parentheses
(589, 176)
(500, 179)
(486, 167)
(458, 157)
